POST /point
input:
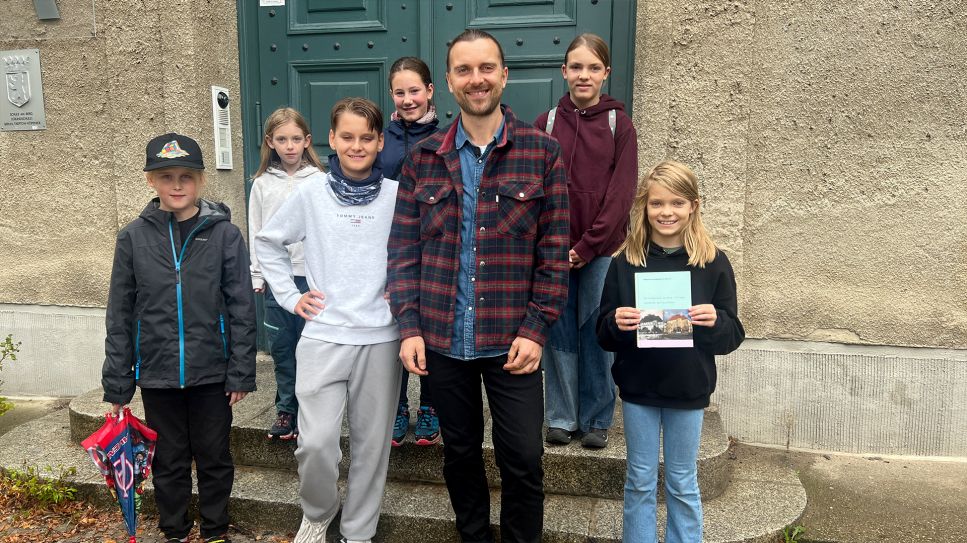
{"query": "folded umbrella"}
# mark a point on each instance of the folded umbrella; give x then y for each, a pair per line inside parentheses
(122, 449)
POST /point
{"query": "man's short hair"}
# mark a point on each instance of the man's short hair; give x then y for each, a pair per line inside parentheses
(473, 34)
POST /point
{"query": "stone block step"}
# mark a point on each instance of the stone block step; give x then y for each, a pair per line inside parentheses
(568, 469)
(762, 499)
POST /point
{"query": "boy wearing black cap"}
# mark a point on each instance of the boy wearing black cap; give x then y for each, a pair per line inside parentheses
(181, 325)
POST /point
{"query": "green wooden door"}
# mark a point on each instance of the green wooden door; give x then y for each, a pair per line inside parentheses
(310, 53)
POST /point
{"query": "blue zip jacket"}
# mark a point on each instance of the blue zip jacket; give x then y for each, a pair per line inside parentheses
(398, 139)
(179, 314)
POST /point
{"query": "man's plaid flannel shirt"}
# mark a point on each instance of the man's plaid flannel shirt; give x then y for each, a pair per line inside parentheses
(522, 239)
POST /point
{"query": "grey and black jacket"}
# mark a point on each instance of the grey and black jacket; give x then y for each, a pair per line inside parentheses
(179, 317)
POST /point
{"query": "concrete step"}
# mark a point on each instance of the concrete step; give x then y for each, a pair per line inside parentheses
(568, 469)
(760, 501)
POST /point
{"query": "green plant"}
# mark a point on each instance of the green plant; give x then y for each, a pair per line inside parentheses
(35, 488)
(790, 534)
(8, 349)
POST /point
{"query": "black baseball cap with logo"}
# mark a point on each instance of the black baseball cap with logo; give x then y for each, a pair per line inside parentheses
(171, 150)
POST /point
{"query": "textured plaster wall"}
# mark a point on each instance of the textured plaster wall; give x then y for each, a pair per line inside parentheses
(830, 139)
(115, 74)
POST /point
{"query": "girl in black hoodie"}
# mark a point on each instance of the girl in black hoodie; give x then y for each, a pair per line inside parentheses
(665, 390)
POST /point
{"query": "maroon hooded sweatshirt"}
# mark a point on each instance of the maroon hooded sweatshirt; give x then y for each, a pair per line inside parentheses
(602, 172)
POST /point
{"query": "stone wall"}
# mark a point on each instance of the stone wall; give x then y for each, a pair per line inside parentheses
(115, 74)
(831, 145)
(830, 140)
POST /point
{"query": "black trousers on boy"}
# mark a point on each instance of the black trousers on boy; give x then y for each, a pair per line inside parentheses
(193, 423)
(517, 409)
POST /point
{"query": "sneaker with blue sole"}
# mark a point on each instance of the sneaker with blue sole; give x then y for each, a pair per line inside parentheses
(401, 425)
(427, 426)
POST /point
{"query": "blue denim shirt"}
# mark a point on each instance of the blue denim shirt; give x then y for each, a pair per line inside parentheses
(472, 163)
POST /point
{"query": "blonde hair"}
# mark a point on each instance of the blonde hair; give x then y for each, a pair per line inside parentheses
(679, 179)
(278, 118)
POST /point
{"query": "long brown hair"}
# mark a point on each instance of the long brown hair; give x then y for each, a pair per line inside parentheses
(278, 118)
(595, 44)
(412, 64)
(679, 179)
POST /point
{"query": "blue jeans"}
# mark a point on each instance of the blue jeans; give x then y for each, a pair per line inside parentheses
(579, 389)
(284, 330)
(426, 398)
(681, 431)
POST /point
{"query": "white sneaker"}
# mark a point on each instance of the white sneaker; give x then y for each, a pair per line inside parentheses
(344, 540)
(311, 532)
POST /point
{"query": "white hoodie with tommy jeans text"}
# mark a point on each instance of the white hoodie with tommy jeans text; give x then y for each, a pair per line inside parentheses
(269, 190)
(345, 259)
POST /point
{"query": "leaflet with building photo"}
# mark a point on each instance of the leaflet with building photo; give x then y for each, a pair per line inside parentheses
(663, 299)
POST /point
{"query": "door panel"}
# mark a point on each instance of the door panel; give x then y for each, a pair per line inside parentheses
(315, 86)
(314, 52)
(493, 13)
(310, 53)
(533, 87)
(311, 16)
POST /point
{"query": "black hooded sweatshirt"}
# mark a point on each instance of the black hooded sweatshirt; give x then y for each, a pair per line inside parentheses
(179, 314)
(677, 378)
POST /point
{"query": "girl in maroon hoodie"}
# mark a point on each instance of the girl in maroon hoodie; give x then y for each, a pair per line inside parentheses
(601, 155)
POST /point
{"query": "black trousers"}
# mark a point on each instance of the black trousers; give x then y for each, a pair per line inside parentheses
(517, 409)
(192, 424)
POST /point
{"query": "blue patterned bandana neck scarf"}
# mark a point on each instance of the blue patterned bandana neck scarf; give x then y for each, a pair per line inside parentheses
(354, 193)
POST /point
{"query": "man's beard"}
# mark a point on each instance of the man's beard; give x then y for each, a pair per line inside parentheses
(478, 109)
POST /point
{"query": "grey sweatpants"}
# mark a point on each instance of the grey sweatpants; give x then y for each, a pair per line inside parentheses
(327, 375)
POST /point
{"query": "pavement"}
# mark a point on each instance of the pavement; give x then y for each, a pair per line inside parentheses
(850, 498)
(858, 499)
(28, 409)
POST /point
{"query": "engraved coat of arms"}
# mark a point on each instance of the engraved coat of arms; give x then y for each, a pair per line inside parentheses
(17, 80)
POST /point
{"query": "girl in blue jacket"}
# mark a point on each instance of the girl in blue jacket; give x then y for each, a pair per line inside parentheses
(413, 120)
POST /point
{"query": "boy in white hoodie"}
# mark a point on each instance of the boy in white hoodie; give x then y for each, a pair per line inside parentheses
(350, 344)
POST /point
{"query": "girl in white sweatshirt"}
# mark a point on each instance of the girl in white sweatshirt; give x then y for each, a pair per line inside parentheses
(288, 159)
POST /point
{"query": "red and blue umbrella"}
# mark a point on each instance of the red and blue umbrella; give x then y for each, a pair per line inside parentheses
(122, 449)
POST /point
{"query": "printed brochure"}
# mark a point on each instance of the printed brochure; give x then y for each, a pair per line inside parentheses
(663, 299)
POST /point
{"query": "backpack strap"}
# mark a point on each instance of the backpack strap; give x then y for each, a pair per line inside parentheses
(551, 114)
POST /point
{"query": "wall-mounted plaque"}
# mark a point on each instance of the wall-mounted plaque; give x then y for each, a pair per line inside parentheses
(22, 100)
